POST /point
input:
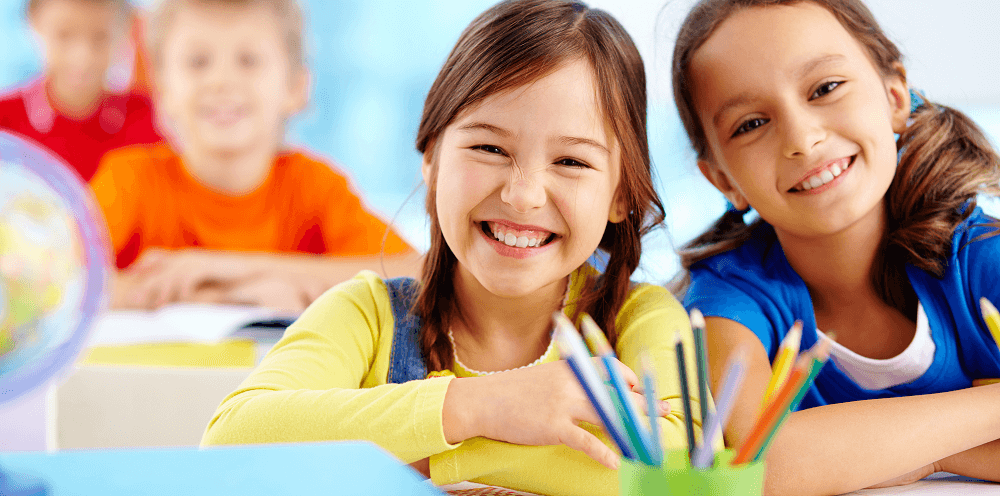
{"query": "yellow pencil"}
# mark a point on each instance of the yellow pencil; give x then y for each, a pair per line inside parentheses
(784, 360)
(992, 318)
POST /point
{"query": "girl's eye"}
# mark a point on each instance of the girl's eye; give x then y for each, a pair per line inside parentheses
(749, 125)
(569, 162)
(825, 88)
(490, 149)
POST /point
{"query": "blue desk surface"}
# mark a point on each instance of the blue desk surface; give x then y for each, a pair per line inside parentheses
(353, 468)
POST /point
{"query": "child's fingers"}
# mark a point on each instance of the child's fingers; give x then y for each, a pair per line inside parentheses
(662, 406)
(578, 438)
(627, 374)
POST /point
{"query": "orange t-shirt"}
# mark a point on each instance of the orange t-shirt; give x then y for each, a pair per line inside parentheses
(150, 200)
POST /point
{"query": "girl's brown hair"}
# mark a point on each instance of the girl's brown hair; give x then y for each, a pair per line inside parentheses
(512, 44)
(945, 159)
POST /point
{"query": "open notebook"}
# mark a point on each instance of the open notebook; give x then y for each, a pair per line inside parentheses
(187, 323)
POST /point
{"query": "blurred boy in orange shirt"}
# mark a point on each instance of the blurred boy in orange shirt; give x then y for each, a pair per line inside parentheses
(223, 213)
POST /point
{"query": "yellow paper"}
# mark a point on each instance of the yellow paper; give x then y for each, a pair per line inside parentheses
(230, 353)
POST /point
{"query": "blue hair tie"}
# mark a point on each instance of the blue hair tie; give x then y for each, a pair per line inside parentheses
(916, 101)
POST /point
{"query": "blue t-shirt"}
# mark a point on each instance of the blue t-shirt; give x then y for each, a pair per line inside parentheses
(754, 286)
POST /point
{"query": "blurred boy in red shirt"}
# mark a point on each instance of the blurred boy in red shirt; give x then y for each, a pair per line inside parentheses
(68, 109)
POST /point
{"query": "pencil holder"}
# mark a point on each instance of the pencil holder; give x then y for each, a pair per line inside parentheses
(676, 477)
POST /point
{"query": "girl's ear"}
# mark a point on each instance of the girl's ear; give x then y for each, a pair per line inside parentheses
(899, 98)
(618, 211)
(721, 181)
(427, 163)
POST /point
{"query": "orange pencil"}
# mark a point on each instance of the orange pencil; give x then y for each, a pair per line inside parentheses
(775, 410)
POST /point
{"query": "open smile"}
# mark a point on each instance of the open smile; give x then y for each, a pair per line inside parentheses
(819, 180)
(517, 241)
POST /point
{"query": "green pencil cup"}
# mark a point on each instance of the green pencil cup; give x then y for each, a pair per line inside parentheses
(677, 478)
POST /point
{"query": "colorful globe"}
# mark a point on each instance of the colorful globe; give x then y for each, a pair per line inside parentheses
(54, 265)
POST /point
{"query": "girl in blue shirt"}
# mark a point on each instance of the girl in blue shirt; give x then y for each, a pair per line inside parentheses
(794, 108)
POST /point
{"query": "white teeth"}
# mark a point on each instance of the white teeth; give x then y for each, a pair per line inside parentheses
(823, 177)
(512, 239)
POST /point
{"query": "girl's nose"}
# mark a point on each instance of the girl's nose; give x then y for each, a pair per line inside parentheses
(523, 193)
(803, 129)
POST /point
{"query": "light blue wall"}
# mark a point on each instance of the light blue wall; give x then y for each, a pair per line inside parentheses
(374, 60)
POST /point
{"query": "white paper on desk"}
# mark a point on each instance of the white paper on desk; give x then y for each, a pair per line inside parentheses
(181, 322)
(941, 483)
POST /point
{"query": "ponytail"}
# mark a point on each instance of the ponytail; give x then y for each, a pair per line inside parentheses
(945, 162)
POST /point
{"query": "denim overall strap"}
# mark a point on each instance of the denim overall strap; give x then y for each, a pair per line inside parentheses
(406, 362)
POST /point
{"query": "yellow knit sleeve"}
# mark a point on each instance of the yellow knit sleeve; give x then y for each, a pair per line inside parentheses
(325, 381)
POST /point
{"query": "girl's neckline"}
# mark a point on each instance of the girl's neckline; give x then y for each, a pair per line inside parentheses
(541, 359)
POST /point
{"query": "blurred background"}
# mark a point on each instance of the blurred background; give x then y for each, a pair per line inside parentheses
(374, 60)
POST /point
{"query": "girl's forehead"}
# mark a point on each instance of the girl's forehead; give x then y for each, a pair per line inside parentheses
(759, 48)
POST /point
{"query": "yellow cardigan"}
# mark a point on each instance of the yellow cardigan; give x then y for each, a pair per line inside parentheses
(325, 380)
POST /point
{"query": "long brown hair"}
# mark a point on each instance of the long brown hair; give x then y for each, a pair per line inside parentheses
(512, 44)
(945, 159)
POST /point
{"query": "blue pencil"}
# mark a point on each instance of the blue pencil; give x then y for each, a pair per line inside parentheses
(571, 348)
(731, 382)
(653, 411)
(600, 347)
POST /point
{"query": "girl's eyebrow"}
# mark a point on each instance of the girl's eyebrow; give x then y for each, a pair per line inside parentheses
(801, 72)
(819, 61)
(476, 126)
(736, 101)
(573, 140)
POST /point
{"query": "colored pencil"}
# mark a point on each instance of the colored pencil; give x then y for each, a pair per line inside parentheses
(818, 356)
(701, 361)
(704, 455)
(772, 414)
(652, 407)
(685, 392)
(992, 318)
(571, 348)
(600, 347)
(783, 361)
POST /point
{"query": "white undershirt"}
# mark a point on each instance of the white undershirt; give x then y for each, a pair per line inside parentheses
(873, 374)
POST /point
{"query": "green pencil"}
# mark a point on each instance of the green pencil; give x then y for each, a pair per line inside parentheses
(701, 360)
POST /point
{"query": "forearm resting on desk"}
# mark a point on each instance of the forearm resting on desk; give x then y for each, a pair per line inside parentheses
(981, 462)
(848, 446)
(284, 281)
(404, 419)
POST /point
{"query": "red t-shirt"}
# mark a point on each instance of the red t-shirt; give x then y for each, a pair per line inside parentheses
(120, 120)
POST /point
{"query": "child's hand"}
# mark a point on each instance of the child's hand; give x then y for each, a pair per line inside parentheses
(275, 292)
(911, 477)
(165, 276)
(540, 405)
